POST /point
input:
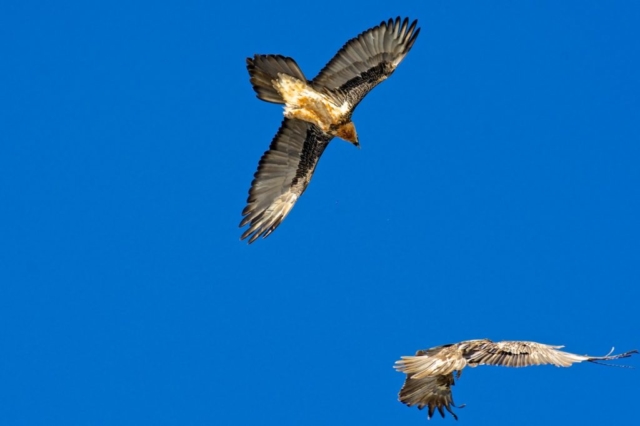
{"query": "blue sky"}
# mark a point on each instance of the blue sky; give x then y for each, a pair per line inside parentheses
(496, 194)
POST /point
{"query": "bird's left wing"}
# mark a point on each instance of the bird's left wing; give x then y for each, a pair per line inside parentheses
(432, 392)
(523, 354)
(368, 59)
(283, 174)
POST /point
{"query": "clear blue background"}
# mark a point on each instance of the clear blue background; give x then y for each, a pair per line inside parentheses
(496, 194)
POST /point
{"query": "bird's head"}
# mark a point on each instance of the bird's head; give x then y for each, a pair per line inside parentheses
(347, 132)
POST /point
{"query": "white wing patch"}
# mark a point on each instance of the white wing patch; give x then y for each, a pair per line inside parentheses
(280, 207)
(272, 216)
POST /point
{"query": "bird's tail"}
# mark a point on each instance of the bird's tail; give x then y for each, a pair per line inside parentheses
(263, 69)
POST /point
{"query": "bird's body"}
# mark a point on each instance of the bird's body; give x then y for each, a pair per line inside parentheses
(315, 112)
(325, 110)
(430, 372)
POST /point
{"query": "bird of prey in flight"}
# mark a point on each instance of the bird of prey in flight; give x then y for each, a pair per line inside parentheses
(315, 112)
(430, 371)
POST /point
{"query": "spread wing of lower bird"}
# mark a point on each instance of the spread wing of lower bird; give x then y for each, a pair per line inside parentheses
(430, 373)
(316, 111)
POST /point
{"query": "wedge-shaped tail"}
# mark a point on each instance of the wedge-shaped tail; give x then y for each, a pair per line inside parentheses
(263, 69)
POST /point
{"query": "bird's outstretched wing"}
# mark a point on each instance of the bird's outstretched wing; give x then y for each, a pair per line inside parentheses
(523, 354)
(284, 171)
(368, 59)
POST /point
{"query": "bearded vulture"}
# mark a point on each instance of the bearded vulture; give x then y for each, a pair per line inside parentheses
(430, 372)
(315, 112)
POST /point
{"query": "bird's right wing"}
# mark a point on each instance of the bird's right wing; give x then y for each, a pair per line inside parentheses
(433, 392)
(283, 174)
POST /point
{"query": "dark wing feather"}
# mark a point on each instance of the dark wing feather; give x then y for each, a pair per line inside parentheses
(432, 392)
(283, 174)
(368, 59)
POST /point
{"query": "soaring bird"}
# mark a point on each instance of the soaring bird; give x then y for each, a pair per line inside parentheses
(315, 112)
(430, 371)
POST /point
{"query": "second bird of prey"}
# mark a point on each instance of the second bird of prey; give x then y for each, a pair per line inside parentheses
(430, 372)
(315, 112)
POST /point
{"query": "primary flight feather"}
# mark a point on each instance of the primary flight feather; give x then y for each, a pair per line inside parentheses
(315, 112)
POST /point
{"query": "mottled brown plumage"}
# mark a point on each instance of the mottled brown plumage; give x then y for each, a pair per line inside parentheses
(430, 372)
(315, 112)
